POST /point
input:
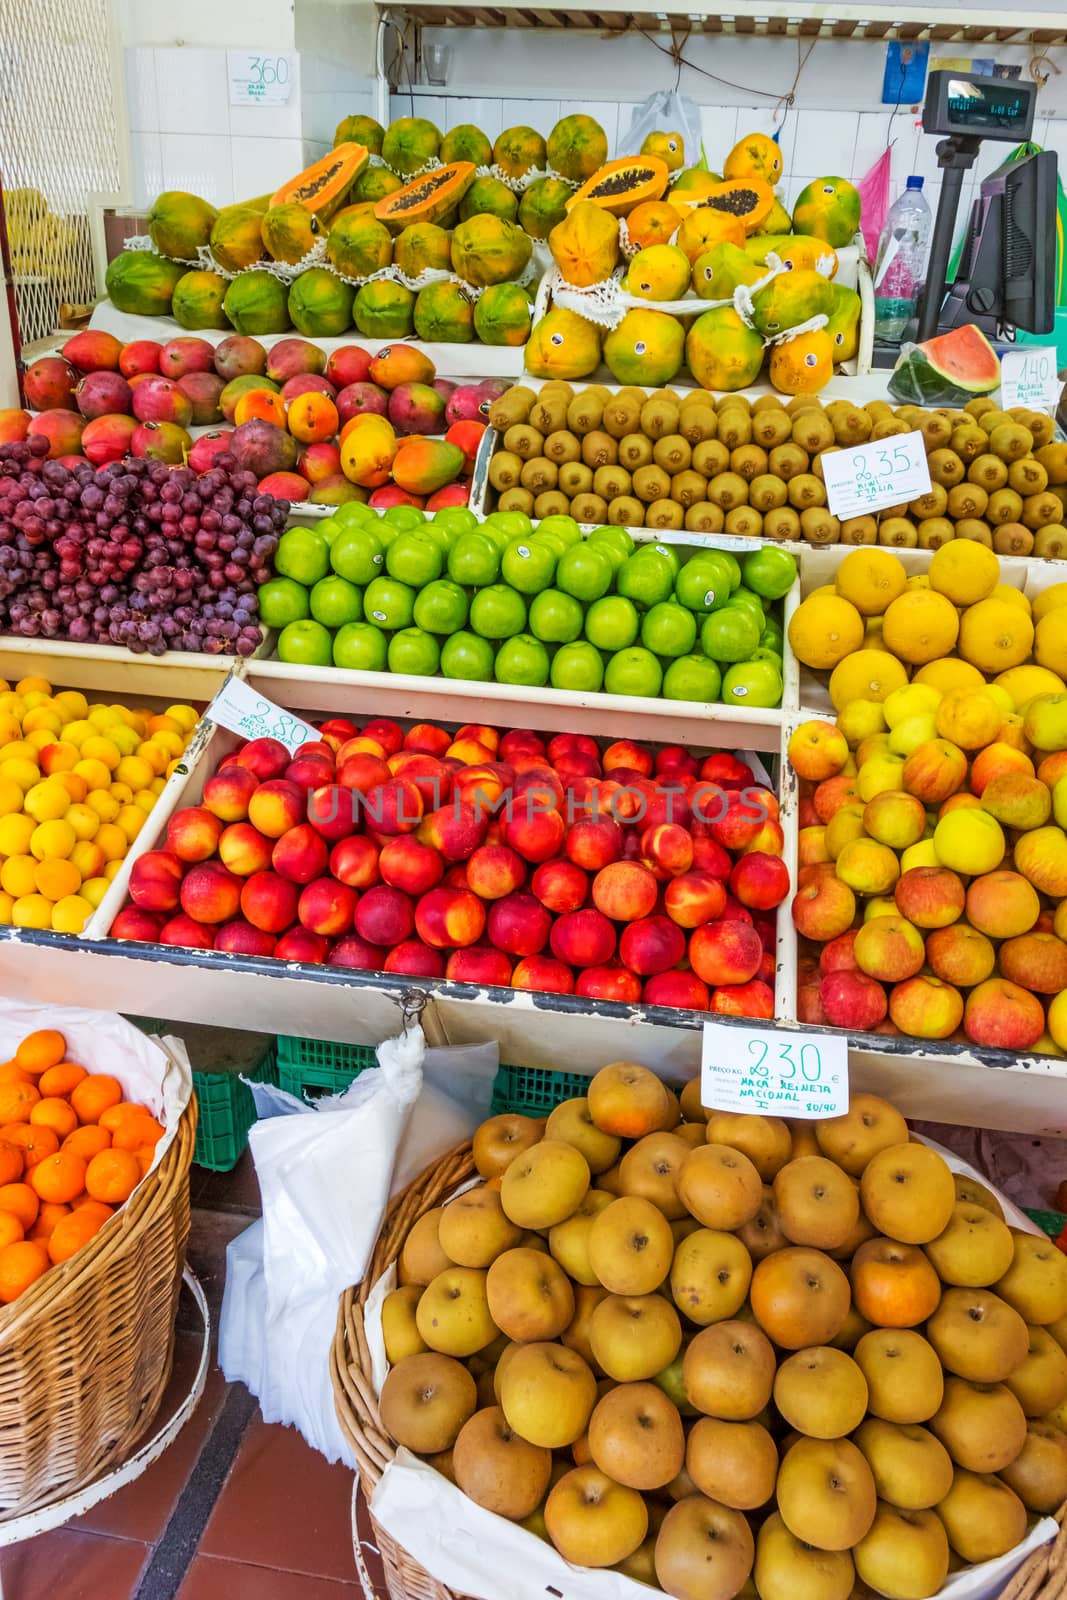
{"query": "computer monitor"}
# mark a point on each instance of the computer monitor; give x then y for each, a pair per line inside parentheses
(1007, 272)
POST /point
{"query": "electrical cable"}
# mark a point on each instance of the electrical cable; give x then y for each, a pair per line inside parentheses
(681, 60)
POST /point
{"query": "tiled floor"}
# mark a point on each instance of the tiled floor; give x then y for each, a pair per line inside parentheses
(235, 1509)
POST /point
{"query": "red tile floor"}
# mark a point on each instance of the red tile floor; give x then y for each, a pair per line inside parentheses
(235, 1509)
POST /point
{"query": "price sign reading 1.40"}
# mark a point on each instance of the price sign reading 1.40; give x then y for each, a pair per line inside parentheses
(773, 1072)
(259, 80)
(1030, 377)
(870, 477)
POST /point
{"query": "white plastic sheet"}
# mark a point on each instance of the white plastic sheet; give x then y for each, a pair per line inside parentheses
(666, 111)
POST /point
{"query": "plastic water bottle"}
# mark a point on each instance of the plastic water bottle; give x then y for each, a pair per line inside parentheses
(900, 265)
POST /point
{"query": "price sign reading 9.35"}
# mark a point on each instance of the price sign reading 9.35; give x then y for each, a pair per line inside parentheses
(870, 477)
(773, 1072)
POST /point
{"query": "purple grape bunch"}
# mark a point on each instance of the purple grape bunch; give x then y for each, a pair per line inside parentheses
(135, 553)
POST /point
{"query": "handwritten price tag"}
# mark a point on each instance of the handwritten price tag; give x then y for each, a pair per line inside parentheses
(873, 476)
(1028, 377)
(769, 1070)
(259, 80)
(243, 711)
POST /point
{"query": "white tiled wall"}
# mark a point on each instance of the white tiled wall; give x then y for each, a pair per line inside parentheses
(184, 134)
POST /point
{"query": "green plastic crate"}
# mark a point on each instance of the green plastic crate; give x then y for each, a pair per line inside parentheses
(534, 1091)
(318, 1067)
(227, 1111)
(1050, 1222)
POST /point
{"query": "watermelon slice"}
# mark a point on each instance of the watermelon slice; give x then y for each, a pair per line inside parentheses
(947, 370)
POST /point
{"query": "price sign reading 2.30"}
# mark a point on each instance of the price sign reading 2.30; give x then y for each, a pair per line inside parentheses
(768, 1070)
(885, 472)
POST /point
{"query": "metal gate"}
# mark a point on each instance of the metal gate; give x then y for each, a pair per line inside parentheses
(63, 152)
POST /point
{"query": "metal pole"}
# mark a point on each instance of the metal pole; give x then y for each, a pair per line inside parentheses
(955, 156)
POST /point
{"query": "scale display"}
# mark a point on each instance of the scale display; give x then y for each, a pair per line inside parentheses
(987, 108)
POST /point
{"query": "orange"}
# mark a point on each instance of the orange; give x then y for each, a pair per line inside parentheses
(116, 1116)
(112, 1176)
(20, 1265)
(11, 1163)
(71, 1232)
(41, 1050)
(11, 1228)
(61, 1080)
(47, 1217)
(94, 1095)
(17, 1100)
(59, 1178)
(55, 1113)
(87, 1142)
(11, 1072)
(136, 1131)
(21, 1201)
(145, 1154)
(34, 1141)
(89, 1204)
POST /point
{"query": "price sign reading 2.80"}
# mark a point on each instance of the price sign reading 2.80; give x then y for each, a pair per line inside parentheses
(870, 477)
(768, 1070)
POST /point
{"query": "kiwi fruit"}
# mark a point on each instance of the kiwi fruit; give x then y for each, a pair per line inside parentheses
(748, 461)
(562, 447)
(1012, 539)
(659, 417)
(704, 517)
(551, 504)
(510, 407)
(889, 427)
(994, 419)
(934, 532)
(1053, 457)
(539, 474)
(672, 453)
(697, 422)
(710, 458)
(575, 478)
(1011, 441)
(852, 426)
(975, 528)
(936, 431)
(698, 397)
(813, 431)
(803, 402)
(1050, 542)
(767, 402)
(1027, 476)
(599, 449)
(818, 526)
(504, 470)
(727, 490)
(989, 471)
(744, 522)
(816, 468)
(787, 461)
(898, 532)
(622, 414)
(931, 504)
(585, 412)
(589, 507)
(523, 440)
(878, 408)
(859, 530)
(766, 492)
(664, 514)
(651, 483)
(1040, 509)
(781, 523)
(635, 451)
(912, 415)
(771, 427)
(945, 467)
(516, 499)
(979, 406)
(806, 490)
(611, 483)
(626, 512)
(690, 487)
(735, 427)
(741, 401)
(549, 411)
(1042, 429)
(1003, 505)
(967, 500)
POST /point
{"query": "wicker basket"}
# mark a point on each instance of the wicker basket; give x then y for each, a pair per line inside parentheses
(86, 1351)
(1042, 1577)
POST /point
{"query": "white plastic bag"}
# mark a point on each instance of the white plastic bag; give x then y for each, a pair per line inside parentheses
(668, 112)
(326, 1172)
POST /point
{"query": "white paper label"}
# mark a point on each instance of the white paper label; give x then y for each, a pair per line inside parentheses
(769, 1070)
(259, 80)
(871, 476)
(1028, 377)
(243, 711)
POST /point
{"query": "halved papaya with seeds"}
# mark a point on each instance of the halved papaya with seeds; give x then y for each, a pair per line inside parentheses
(620, 185)
(750, 200)
(429, 198)
(321, 187)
